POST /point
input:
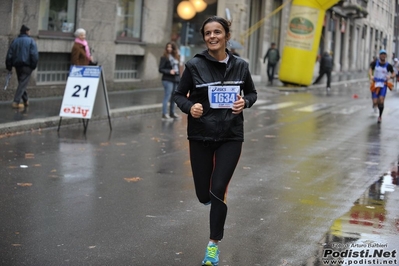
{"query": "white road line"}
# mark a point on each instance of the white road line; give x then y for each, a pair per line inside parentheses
(259, 102)
(313, 107)
(278, 106)
(350, 110)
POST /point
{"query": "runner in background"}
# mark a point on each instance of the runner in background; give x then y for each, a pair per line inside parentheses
(380, 73)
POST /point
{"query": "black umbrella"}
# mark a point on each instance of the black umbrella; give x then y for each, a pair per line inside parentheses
(235, 45)
(8, 77)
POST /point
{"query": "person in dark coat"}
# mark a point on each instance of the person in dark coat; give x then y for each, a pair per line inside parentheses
(24, 56)
(272, 56)
(326, 66)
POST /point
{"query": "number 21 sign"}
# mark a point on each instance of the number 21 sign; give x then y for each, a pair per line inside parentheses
(80, 91)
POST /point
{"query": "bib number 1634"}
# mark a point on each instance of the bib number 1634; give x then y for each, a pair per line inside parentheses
(222, 96)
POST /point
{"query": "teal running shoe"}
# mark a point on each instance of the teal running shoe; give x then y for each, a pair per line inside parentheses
(211, 256)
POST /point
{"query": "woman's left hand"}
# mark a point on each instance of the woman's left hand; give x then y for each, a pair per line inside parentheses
(238, 105)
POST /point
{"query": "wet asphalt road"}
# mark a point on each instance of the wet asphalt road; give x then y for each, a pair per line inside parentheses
(316, 173)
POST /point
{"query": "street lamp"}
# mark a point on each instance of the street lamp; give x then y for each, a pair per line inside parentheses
(199, 5)
(186, 10)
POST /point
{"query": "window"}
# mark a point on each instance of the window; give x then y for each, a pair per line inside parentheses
(57, 16)
(53, 68)
(126, 67)
(276, 23)
(128, 19)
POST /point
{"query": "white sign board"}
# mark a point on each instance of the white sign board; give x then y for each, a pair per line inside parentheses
(80, 92)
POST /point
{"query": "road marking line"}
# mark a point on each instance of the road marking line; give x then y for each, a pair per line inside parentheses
(313, 107)
(278, 106)
(350, 110)
(258, 102)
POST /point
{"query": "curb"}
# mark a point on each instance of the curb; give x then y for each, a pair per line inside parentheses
(53, 121)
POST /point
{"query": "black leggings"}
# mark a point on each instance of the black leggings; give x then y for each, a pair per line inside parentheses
(213, 165)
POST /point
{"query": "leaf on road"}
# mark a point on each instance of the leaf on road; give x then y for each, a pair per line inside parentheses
(246, 168)
(16, 245)
(37, 165)
(24, 184)
(53, 171)
(29, 156)
(254, 140)
(132, 179)
(92, 246)
(270, 136)
(104, 144)
(120, 144)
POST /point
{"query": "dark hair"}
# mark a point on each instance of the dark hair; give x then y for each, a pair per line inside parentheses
(24, 29)
(225, 24)
(175, 52)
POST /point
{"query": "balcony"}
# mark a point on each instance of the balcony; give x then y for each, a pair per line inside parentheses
(353, 9)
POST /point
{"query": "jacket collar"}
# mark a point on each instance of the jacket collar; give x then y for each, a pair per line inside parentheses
(206, 55)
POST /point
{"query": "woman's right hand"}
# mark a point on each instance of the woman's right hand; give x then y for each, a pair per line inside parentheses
(196, 110)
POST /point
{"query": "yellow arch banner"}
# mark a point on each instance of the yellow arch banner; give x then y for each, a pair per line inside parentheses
(302, 40)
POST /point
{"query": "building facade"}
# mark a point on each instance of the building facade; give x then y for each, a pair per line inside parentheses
(396, 29)
(356, 30)
(127, 37)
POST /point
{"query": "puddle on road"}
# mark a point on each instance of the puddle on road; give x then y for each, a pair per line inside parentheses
(363, 235)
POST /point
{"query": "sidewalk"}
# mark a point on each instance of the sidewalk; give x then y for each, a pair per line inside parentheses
(44, 112)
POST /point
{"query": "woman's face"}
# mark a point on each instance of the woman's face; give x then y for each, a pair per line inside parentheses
(82, 36)
(169, 48)
(215, 36)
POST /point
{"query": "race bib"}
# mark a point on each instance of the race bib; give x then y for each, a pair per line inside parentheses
(222, 96)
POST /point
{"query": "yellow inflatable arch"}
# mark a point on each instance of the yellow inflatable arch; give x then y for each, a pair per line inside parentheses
(302, 40)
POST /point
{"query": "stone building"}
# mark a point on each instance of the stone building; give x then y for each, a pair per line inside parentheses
(356, 30)
(396, 29)
(127, 37)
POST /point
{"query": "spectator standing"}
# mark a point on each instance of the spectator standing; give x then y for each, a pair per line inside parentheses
(169, 66)
(326, 66)
(23, 56)
(374, 59)
(215, 79)
(80, 54)
(396, 70)
(272, 56)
